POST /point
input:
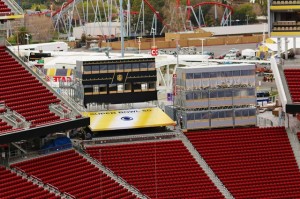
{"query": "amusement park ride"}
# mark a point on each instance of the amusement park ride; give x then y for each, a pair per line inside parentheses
(74, 13)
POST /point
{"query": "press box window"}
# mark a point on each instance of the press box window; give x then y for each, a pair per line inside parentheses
(127, 67)
(113, 88)
(120, 88)
(137, 87)
(103, 89)
(127, 87)
(103, 68)
(95, 89)
(111, 68)
(135, 67)
(87, 69)
(119, 67)
(143, 67)
(95, 69)
(151, 66)
(151, 86)
(144, 86)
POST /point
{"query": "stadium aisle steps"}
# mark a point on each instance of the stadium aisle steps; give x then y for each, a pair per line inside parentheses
(13, 186)
(251, 162)
(163, 169)
(23, 93)
(71, 173)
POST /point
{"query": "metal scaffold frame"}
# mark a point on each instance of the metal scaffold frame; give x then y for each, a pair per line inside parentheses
(69, 16)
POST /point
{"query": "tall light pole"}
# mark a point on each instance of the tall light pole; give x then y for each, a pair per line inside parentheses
(18, 43)
(142, 28)
(153, 29)
(174, 78)
(202, 39)
(122, 28)
(177, 55)
(247, 18)
(139, 42)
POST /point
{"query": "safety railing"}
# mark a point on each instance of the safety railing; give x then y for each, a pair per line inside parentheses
(16, 9)
(42, 77)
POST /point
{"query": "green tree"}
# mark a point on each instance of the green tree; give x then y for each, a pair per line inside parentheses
(264, 6)
(38, 7)
(20, 35)
(243, 11)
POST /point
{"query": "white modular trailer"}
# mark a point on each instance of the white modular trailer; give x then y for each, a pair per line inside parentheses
(215, 86)
(53, 46)
(215, 76)
(206, 119)
(216, 96)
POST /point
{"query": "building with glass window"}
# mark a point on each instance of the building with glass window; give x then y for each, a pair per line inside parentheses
(284, 18)
(216, 96)
(284, 22)
(116, 81)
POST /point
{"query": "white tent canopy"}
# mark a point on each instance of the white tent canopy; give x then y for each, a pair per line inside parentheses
(290, 45)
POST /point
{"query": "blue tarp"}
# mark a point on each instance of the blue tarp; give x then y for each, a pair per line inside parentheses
(58, 143)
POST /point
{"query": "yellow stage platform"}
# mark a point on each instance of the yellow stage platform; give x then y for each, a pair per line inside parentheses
(128, 119)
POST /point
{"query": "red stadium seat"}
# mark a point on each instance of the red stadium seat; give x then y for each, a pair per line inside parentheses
(166, 164)
(255, 162)
(292, 78)
(80, 178)
(23, 93)
(13, 186)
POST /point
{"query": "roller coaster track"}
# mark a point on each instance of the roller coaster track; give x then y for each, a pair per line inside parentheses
(157, 14)
(65, 8)
(69, 5)
(215, 3)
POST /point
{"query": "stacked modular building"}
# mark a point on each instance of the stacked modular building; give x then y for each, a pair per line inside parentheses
(116, 80)
(215, 96)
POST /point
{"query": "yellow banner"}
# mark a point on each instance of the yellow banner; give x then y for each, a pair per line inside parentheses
(128, 119)
(12, 17)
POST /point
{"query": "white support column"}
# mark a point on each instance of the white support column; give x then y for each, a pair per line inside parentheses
(294, 45)
(129, 18)
(279, 46)
(168, 77)
(286, 47)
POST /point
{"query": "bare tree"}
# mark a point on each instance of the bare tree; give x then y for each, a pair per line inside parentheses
(40, 27)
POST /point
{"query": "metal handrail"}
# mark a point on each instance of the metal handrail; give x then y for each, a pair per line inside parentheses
(150, 138)
(41, 76)
(15, 6)
(206, 168)
(112, 174)
(34, 154)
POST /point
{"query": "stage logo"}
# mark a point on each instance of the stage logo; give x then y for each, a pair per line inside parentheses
(126, 118)
(120, 77)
